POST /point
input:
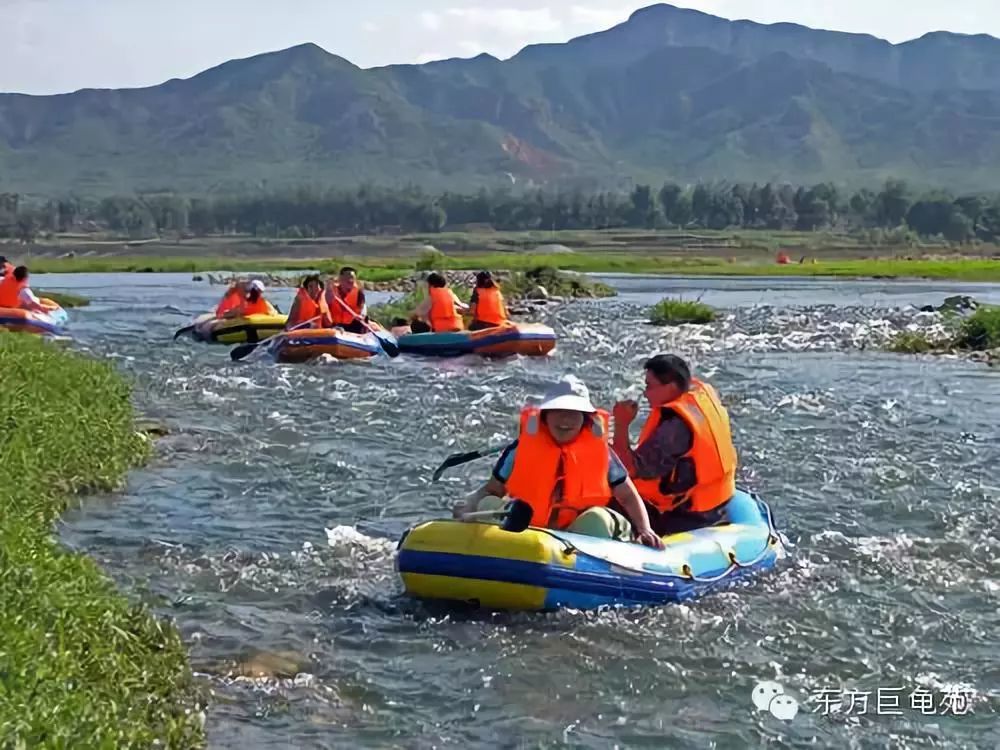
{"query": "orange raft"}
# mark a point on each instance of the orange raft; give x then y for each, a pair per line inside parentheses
(526, 339)
(309, 343)
(26, 321)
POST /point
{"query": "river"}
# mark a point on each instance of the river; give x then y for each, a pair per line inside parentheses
(881, 469)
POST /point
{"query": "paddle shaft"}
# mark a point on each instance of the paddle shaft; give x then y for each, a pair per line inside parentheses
(458, 459)
(387, 346)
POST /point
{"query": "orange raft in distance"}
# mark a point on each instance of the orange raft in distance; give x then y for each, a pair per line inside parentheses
(526, 339)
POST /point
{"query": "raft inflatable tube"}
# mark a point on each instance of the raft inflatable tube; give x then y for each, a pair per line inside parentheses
(51, 323)
(543, 569)
(308, 343)
(247, 330)
(527, 339)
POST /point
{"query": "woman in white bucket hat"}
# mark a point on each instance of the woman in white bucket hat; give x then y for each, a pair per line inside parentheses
(562, 473)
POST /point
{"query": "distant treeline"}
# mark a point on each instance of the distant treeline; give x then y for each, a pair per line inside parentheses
(893, 209)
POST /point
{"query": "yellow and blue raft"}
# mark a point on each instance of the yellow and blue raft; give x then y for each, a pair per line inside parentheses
(543, 569)
(249, 329)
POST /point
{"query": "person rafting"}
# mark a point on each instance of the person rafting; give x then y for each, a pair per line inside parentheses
(15, 292)
(684, 465)
(563, 468)
(232, 298)
(441, 311)
(253, 303)
(487, 304)
(6, 266)
(310, 304)
(348, 291)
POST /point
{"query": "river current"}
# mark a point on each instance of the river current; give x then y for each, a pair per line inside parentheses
(266, 526)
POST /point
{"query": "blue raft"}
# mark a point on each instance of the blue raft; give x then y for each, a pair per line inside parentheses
(542, 569)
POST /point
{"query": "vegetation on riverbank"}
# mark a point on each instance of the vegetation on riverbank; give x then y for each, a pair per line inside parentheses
(674, 312)
(979, 332)
(382, 269)
(80, 666)
(64, 299)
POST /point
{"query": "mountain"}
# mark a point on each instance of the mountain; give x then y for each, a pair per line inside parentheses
(670, 93)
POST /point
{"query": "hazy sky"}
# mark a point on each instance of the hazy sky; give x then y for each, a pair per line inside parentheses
(51, 46)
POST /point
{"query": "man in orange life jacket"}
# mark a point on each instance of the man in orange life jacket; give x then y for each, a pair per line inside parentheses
(486, 305)
(309, 303)
(441, 311)
(685, 464)
(231, 299)
(349, 292)
(563, 468)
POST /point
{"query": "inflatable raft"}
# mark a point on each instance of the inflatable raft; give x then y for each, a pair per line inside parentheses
(542, 569)
(246, 330)
(528, 339)
(25, 321)
(309, 343)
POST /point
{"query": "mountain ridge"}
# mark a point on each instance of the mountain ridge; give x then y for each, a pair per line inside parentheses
(668, 94)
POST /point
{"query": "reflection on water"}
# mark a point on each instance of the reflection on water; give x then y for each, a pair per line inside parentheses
(880, 468)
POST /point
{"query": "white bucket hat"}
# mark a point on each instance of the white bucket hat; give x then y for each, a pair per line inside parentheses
(568, 393)
(257, 284)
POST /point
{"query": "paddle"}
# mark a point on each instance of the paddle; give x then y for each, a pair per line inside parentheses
(516, 514)
(463, 458)
(184, 330)
(244, 350)
(388, 345)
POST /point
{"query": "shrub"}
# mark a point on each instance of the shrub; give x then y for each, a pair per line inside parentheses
(672, 312)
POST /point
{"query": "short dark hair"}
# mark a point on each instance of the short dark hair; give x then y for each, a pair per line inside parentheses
(436, 279)
(21, 273)
(484, 280)
(669, 368)
(311, 278)
(347, 269)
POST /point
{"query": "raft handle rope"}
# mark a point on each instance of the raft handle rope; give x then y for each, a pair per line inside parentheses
(773, 538)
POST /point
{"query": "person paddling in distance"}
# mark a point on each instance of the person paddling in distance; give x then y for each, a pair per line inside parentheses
(15, 292)
(349, 291)
(253, 303)
(487, 305)
(441, 311)
(232, 298)
(563, 468)
(684, 465)
(310, 304)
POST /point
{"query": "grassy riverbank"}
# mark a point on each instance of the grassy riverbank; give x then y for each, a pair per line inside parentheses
(375, 268)
(80, 666)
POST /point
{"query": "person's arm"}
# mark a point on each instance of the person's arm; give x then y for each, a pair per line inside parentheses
(628, 497)
(362, 305)
(423, 309)
(658, 456)
(293, 312)
(29, 301)
(495, 486)
(473, 303)
(459, 305)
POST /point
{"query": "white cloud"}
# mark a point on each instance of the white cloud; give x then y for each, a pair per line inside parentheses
(507, 21)
(370, 27)
(598, 18)
(430, 21)
(471, 49)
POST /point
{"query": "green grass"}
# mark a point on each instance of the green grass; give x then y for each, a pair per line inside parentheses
(981, 330)
(387, 268)
(673, 312)
(80, 666)
(910, 342)
(65, 299)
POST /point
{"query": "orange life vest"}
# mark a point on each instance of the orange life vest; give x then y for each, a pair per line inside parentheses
(489, 306)
(260, 307)
(338, 314)
(10, 290)
(230, 301)
(443, 315)
(306, 308)
(712, 454)
(539, 463)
